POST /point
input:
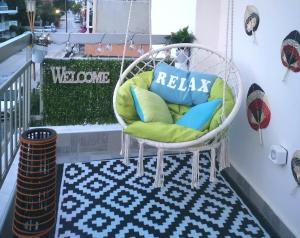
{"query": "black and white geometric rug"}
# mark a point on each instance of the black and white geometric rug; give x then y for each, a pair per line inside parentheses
(106, 199)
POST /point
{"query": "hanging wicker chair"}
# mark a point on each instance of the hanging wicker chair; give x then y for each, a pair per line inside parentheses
(193, 57)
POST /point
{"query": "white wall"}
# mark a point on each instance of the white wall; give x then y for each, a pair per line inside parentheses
(260, 63)
(112, 16)
(207, 22)
(171, 15)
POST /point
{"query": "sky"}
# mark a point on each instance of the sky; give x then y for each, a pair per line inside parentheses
(172, 15)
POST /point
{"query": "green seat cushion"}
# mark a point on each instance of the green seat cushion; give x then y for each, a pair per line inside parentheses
(162, 132)
(158, 131)
(149, 106)
(124, 101)
(177, 111)
(217, 92)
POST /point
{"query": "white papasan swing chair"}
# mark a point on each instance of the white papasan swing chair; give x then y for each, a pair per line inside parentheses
(197, 58)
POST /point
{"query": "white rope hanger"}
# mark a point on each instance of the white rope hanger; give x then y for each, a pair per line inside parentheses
(126, 37)
(229, 38)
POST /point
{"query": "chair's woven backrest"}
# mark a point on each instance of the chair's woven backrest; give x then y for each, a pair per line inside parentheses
(190, 57)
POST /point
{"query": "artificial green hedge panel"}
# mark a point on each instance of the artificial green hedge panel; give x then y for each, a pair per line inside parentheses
(73, 104)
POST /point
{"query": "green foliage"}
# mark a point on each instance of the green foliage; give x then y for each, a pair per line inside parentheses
(60, 4)
(46, 11)
(20, 30)
(181, 36)
(71, 104)
(13, 28)
(17, 29)
(76, 7)
(35, 102)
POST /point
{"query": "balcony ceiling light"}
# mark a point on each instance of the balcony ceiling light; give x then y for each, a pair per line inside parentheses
(99, 48)
(108, 47)
(141, 50)
(68, 48)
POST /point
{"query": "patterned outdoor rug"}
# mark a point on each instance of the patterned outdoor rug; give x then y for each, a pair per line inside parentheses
(106, 199)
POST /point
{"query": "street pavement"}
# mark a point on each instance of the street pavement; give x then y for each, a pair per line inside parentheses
(58, 50)
(72, 26)
(11, 65)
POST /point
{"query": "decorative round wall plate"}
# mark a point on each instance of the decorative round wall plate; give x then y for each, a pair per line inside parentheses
(290, 51)
(251, 19)
(295, 165)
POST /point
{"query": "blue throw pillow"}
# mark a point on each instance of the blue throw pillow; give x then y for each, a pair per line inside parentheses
(199, 116)
(200, 85)
(181, 87)
(171, 84)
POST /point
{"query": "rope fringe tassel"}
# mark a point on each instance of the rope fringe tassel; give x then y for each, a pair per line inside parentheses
(224, 159)
(227, 160)
(140, 163)
(212, 176)
(195, 169)
(126, 149)
(159, 176)
(122, 143)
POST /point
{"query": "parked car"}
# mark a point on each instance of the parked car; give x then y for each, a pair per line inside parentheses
(77, 19)
(50, 28)
(39, 30)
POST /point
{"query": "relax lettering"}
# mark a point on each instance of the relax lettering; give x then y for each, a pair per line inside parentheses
(172, 82)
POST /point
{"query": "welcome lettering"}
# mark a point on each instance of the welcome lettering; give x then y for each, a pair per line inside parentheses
(62, 76)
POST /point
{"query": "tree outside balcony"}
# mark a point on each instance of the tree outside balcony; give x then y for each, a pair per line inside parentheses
(76, 8)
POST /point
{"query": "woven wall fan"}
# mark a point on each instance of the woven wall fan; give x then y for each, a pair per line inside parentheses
(258, 110)
(295, 165)
(290, 52)
(251, 21)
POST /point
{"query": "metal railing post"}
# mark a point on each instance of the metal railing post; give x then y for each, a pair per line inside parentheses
(29, 93)
(24, 101)
(16, 115)
(5, 133)
(20, 104)
(1, 172)
(10, 121)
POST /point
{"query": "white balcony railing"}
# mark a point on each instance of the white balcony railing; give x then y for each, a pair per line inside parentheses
(15, 103)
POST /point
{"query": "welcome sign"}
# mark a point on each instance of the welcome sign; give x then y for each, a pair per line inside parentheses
(63, 76)
(79, 91)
